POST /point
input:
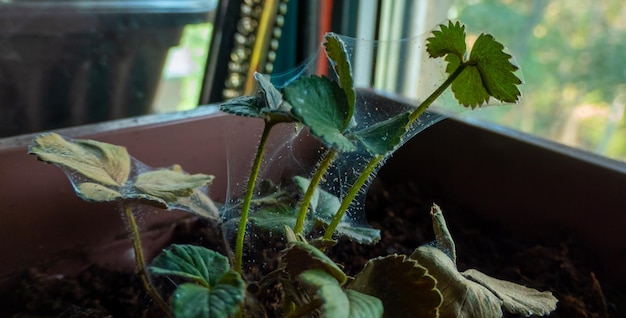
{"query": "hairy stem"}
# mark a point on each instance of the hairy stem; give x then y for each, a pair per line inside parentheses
(375, 161)
(415, 114)
(245, 209)
(315, 181)
(352, 193)
(141, 261)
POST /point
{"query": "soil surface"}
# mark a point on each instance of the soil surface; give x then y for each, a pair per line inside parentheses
(401, 211)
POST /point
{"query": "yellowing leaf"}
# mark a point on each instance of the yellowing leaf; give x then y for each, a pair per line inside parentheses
(90, 191)
(462, 298)
(473, 294)
(101, 172)
(516, 298)
(101, 162)
(170, 185)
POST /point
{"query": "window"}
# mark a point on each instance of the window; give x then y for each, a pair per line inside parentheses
(572, 58)
(571, 55)
(72, 62)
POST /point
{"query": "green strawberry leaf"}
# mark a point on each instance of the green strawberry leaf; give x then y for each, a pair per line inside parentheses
(361, 235)
(195, 263)
(468, 88)
(300, 257)
(275, 219)
(338, 55)
(323, 204)
(215, 290)
(363, 305)
(449, 40)
(336, 302)
(322, 105)
(405, 288)
(495, 68)
(267, 104)
(384, 136)
(221, 301)
(272, 96)
(100, 162)
(488, 72)
(245, 106)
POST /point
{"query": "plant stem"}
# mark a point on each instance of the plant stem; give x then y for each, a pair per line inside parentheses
(141, 261)
(245, 209)
(315, 181)
(305, 309)
(354, 190)
(415, 114)
(373, 163)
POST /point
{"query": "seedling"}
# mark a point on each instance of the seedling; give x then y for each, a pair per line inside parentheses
(424, 284)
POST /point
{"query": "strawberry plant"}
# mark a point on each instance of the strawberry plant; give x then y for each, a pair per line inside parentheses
(312, 212)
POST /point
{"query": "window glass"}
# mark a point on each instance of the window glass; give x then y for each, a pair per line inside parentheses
(572, 58)
(72, 62)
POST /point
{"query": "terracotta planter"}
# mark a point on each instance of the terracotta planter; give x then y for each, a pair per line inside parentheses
(532, 188)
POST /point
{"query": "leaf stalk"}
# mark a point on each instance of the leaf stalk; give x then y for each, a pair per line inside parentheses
(315, 181)
(141, 261)
(245, 209)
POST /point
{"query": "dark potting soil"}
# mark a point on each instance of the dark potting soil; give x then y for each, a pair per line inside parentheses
(401, 212)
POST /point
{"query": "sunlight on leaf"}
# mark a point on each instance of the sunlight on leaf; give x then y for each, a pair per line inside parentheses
(170, 185)
(90, 191)
(405, 288)
(496, 69)
(468, 88)
(488, 72)
(102, 172)
(101, 162)
(449, 39)
(322, 105)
